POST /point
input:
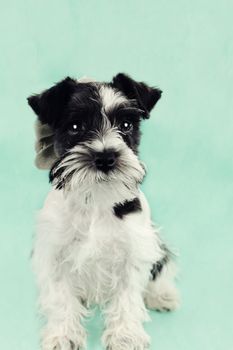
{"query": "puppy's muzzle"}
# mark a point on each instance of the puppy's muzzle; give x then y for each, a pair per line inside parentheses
(106, 160)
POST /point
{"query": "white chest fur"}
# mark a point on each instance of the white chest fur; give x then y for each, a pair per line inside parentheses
(80, 233)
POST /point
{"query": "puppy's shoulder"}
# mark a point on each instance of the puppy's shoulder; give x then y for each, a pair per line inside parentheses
(55, 198)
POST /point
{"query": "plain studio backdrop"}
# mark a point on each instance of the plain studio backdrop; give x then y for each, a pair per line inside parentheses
(185, 48)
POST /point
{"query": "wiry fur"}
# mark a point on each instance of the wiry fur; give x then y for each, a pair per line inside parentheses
(85, 253)
(78, 164)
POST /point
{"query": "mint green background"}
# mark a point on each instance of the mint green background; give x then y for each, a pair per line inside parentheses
(184, 47)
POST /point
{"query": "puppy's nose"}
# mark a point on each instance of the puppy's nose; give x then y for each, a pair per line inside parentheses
(106, 160)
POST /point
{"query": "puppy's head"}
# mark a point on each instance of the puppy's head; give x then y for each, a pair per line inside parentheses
(96, 129)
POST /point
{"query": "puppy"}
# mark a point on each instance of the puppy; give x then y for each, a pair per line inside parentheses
(95, 242)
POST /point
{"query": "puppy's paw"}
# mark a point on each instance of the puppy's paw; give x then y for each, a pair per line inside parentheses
(163, 300)
(126, 338)
(59, 343)
(56, 341)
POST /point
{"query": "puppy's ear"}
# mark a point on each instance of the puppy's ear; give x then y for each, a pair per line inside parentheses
(145, 95)
(50, 104)
(49, 107)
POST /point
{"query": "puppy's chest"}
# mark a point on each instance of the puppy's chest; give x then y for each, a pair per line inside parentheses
(98, 220)
(104, 238)
(103, 244)
(99, 250)
(98, 235)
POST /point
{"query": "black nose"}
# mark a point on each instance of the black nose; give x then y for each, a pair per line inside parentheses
(106, 160)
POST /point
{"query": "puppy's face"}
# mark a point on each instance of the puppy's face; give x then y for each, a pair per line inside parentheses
(96, 129)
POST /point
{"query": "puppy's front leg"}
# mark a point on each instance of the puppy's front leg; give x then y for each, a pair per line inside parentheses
(63, 330)
(60, 305)
(124, 315)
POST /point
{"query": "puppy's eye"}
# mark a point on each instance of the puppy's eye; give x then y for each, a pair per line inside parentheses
(125, 126)
(73, 128)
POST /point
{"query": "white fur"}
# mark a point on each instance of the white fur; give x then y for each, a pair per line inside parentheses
(85, 255)
(111, 98)
(86, 80)
(162, 295)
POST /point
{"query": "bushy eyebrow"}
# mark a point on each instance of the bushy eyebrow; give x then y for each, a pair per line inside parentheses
(130, 112)
(133, 110)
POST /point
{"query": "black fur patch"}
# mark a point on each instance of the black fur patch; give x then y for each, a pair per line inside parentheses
(158, 266)
(127, 207)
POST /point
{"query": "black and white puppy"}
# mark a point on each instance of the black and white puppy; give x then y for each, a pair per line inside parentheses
(95, 242)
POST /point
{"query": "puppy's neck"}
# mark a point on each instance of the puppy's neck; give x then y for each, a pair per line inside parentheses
(103, 195)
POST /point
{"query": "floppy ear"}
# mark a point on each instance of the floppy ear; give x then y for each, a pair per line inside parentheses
(50, 104)
(49, 107)
(145, 95)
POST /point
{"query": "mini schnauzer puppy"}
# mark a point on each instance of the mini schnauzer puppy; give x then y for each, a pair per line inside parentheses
(95, 242)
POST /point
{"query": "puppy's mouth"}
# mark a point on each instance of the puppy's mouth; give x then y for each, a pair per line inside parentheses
(83, 167)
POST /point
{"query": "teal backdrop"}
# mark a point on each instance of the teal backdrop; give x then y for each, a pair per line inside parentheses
(185, 48)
